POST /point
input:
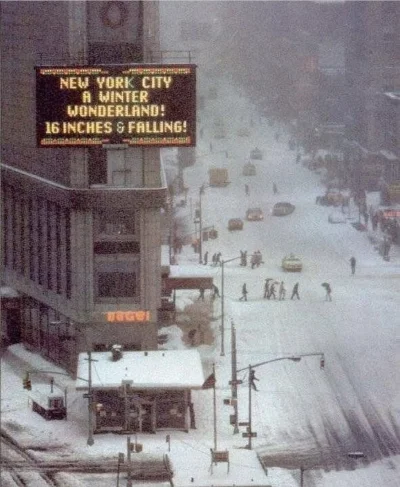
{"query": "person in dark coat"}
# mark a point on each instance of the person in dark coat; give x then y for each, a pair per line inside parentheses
(205, 260)
(266, 288)
(201, 295)
(253, 260)
(353, 265)
(295, 291)
(215, 292)
(218, 259)
(245, 258)
(328, 296)
(214, 259)
(244, 293)
(272, 291)
(282, 291)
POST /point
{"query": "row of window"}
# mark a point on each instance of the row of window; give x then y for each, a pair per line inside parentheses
(36, 240)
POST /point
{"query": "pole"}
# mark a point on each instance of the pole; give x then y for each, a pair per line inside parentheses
(250, 427)
(128, 456)
(222, 310)
(234, 378)
(201, 229)
(215, 411)
(65, 402)
(301, 476)
(90, 440)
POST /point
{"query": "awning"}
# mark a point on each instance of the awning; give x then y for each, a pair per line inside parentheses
(174, 283)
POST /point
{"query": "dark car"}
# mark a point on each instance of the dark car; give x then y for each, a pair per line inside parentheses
(249, 169)
(235, 224)
(254, 214)
(283, 208)
(256, 154)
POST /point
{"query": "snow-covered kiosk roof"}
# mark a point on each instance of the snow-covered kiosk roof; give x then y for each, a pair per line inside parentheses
(159, 369)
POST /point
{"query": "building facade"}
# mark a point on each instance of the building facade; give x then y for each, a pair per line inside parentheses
(372, 71)
(81, 238)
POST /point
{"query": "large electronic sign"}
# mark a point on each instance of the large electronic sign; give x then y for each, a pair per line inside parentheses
(136, 105)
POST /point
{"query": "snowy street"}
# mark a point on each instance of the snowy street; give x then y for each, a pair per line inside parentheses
(304, 416)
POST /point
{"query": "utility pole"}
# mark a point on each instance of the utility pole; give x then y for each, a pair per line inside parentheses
(215, 410)
(128, 456)
(250, 432)
(90, 440)
(222, 310)
(201, 191)
(234, 383)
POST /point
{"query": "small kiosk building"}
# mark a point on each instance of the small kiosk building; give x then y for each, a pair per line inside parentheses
(142, 391)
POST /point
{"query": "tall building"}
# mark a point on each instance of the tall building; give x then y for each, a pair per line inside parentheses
(80, 226)
(372, 72)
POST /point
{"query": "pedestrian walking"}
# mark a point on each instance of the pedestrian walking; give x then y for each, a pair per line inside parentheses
(247, 189)
(215, 292)
(253, 260)
(214, 259)
(244, 293)
(271, 291)
(218, 259)
(266, 288)
(245, 258)
(242, 258)
(328, 296)
(205, 260)
(201, 295)
(282, 291)
(353, 265)
(295, 291)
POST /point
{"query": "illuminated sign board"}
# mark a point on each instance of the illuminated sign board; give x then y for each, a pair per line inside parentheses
(391, 213)
(112, 316)
(136, 105)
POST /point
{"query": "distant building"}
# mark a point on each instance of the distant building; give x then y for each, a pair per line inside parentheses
(372, 71)
(80, 227)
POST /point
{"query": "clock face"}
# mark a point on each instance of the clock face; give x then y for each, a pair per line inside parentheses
(114, 14)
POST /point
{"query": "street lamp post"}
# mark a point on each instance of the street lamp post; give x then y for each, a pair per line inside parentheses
(201, 192)
(250, 368)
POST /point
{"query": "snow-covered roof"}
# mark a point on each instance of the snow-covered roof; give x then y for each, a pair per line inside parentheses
(159, 369)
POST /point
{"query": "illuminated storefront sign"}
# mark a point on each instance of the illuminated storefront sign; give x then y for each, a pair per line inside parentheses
(127, 316)
(391, 213)
(136, 105)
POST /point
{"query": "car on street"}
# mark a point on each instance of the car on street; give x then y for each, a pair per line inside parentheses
(292, 263)
(235, 224)
(256, 153)
(249, 169)
(254, 214)
(283, 208)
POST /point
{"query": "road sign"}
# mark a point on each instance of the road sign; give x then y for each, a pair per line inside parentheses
(244, 423)
(249, 435)
(235, 382)
(87, 396)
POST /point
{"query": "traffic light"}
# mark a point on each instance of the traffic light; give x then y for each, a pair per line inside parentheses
(27, 382)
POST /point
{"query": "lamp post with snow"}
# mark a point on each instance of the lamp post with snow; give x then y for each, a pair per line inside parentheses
(251, 385)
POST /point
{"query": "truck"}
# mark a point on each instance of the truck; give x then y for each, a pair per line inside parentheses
(218, 177)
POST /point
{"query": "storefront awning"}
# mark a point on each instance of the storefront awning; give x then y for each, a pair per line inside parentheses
(154, 369)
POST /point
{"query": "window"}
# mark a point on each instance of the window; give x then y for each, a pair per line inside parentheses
(117, 223)
(116, 284)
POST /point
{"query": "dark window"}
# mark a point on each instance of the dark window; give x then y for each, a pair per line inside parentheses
(116, 284)
(116, 224)
(116, 248)
(97, 162)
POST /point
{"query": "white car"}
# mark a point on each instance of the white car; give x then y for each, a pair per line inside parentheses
(292, 263)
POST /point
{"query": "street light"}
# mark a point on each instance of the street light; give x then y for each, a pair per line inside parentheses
(250, 368)
(201, 192)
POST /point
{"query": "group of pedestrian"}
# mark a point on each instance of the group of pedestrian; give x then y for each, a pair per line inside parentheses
(270, 290)
(256, 259)
(214, 293)
(216, 259)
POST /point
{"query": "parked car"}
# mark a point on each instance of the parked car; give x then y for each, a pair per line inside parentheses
(283, 208)
(292, 263)
(249, 169)
(235, 224)
(254, 214)
(336, 218)
(243, 132)
(256, 154)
